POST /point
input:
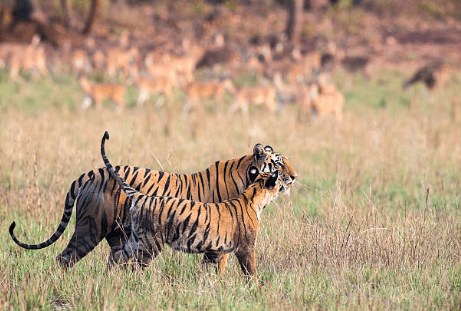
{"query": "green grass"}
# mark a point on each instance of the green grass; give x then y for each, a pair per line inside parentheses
(356, 231)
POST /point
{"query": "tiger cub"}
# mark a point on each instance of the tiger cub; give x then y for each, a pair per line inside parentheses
(99, 92)
(195, 227)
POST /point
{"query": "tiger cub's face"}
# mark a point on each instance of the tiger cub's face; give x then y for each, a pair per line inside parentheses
(269, 183)
(270, 161)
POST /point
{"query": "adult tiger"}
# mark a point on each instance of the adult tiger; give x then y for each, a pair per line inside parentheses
(103, 210)
(195, 227)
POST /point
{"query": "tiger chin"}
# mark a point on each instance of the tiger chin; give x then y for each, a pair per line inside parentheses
(195, 227)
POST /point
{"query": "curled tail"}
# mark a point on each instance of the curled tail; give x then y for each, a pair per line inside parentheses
(69, 205)
(125, 187)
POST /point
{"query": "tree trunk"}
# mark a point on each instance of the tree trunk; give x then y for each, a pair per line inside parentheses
(293, 29)
(26, 10)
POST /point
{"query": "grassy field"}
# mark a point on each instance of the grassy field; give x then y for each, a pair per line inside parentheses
(374, 221)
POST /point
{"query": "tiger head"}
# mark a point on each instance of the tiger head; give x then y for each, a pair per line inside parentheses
(269, 182)
(269, 161)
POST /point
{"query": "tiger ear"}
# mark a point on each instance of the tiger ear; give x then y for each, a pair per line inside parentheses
(259, 153)
(253, 172)
(268, 149)
(271, 182)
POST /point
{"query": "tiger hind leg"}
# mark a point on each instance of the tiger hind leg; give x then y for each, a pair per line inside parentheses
(78, 247)
(142, 250)
(89, 231)
(149, 248)
(116, 240)
(122, 256)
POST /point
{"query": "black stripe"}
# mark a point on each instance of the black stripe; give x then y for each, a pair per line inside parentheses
(231, 203)
(225, 177)
(240, 161)
(170, 223)
(167, 183)
(218, 192)
(150, 189)
(208, 177)
(162, 207)
(80, 179)
(190, 241)
(183, 209)
(101, 174)
(185, 224)
(195, 225)
(179, 192)
(199, 245)
(201, 187)
(207, 232)
(159, 246)
(219, 214)
(188, 195)
(146, 179)
(133, 179)
(243, 219)
(231, 177)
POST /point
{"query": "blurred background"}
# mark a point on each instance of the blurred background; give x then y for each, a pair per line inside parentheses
(185, 50)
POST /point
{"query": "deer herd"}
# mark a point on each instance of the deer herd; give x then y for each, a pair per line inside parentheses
(293, 79)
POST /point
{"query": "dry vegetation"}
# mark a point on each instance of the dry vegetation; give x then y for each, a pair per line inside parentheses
(358, 231)
(372, 223)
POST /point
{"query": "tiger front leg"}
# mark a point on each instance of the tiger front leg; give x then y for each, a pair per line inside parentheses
(148, 247)
(219, 259)
(121, 257)
(222, 264)
(247, 261)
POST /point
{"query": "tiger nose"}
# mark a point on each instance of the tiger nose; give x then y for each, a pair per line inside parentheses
(293, 177)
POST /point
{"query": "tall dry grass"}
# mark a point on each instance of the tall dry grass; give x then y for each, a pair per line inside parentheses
(373, 222)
